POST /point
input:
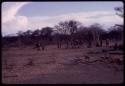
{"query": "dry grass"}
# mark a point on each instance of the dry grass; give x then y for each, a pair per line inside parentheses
(52, 66)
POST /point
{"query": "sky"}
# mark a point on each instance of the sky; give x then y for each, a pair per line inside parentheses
(22, 16)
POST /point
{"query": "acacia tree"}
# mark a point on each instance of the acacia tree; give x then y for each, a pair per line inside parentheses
(46, 36)
(27, 37)
(36, 35)
(96, 32)
(20, 37)
(67, 29)
(47, 32)
(116, 35)
(120, 12)
(89, 38)
(61, 31)
(62, 27)
(73, 26)
(73, 29)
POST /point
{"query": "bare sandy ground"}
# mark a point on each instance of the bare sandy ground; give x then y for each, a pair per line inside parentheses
(58, 66)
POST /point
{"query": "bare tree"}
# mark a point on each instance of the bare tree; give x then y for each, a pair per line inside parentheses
(62, 30)
(116, 35)
(96, 32)
(73, 29)
(67, 28)
(120, 11)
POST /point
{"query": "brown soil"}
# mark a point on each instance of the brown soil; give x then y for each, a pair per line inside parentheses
(59, 66)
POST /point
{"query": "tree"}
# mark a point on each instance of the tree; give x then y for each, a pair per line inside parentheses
(116, 33)
(67, 28)
(28, 33)
(89, 37)
(36, 33)
(47, 32)
(20, 37)
(120, 11)
(96, 32)
(73, 26)
(62, 27)
(27, 37)
(73, 29)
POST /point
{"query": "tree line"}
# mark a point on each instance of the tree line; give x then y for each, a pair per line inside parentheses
(70, 33)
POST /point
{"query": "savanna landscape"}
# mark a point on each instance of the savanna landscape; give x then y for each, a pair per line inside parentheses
(68, 53)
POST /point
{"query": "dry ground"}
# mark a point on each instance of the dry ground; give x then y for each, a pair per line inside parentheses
(58, 66)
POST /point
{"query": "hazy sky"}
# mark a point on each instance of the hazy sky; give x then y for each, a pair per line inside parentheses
(21, 16)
